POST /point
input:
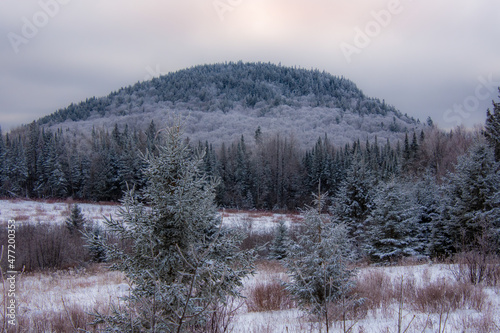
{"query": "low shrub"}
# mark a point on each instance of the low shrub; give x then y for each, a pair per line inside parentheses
(376, 289)
(269, 296)
(476, 267)
(46, 247)
(442, 296)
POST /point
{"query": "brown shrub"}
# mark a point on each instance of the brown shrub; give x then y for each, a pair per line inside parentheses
(484, 324)
(375, 288)
(71, 319)
(21, 218)
(442, 296)
(44, 247)
(270, 266)
(269, 296)
(476, 267)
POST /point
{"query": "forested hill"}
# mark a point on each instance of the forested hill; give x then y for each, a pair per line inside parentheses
(220, 102)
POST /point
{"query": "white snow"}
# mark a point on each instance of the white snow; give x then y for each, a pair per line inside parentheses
(39, 211)
(42, 292)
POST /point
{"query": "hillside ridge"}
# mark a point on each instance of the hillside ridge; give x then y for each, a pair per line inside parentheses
(218, 101)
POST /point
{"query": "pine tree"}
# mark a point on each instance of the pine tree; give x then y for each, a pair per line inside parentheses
(392, 228)
(492, 128)
(474, 198)
(2, 162)
(428, 200)
(76, 221)
(181, 263)
(280, 242)
(16, 170)
(354, 200)
(318, 263)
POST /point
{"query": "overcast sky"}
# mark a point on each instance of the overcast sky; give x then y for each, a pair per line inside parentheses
(427, 58)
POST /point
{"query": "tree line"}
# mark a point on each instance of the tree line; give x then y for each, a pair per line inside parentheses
(266, 171)
(428, 194)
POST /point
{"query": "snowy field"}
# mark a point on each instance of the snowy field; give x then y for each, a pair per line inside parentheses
(61, 295)
(26, 211)
(41, 295)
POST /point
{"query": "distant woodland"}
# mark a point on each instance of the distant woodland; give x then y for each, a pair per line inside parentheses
(422, 191)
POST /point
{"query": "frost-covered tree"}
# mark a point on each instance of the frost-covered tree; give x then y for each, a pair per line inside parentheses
(280, 242)
(180, 262)
(2, 161)
(391, 230)
(492, 128)
(427, 198)
(76, 221)
(354, 200)
(318, 263)
(473, 205)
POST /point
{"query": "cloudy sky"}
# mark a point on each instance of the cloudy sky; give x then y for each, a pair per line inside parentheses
(426, 57)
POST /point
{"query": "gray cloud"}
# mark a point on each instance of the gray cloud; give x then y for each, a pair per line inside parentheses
(426, 60)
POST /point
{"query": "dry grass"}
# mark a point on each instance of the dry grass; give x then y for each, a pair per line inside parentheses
(53, 302)
(21, 218)
(442, 296)
(73, 318)
(476, 268)
(268, 293)
(270, 266)
(483, 324)
(259, 214)
(269, 296)
(376, 288)
(379, 291)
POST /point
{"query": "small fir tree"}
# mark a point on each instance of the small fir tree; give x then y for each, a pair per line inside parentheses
(318, 263)
(392, 228)
(473, 203)
(76, 220)
(492, 128)
(180, 262)
(279, 246)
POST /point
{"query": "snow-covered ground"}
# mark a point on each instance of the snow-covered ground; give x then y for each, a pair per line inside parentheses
(27, 211)
(90, 290)
(96, 288)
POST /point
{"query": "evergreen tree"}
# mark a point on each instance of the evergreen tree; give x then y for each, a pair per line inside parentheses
(242, 175)
(280, 242)
(16, 170)
(76, 221)
(391, 231)
(474, 198)
(492, 128)
(427, 197)
(354, 200)
(318, 263)
(32, 154)
(181, 263)
(2, 162)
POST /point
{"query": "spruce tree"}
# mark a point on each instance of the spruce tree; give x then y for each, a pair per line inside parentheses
(76, 221)
(2, 162)
(318, 263)
(492, 128)
(280, 242)
(354, 200)
(473, 205)
(391, 230)
(181, 263)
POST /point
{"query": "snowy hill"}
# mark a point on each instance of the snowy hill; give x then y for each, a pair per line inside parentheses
(220, 102)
